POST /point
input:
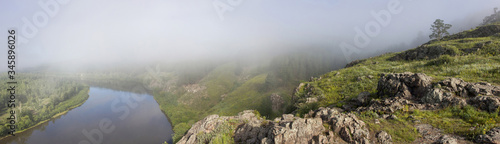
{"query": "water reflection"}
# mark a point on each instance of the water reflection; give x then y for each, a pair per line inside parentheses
(108, 116)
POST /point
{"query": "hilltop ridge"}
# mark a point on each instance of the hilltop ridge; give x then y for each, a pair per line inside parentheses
(440, 92)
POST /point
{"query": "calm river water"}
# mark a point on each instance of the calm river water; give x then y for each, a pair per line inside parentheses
(108, 116)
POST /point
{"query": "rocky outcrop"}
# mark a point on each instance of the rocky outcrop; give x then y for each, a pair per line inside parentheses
(383, 138)
(277, 102)
(355, 62)
(287, 129)
(404, 85)
(488, 103)
(350, 128)
(416, 91)
(483, 31)
(443, 98)
(347, 126)
(491, 137)
(466, 89)
(446, 139)
(325, 125)
(425, 52)
(207, 125)
(363, 98)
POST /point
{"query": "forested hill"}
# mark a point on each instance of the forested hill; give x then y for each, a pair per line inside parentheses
(38, 98)
(444, 91)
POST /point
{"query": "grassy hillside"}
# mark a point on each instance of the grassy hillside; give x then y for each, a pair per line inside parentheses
(229, 87)
(470, 55)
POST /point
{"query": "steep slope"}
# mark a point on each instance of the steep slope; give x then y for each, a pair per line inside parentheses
(443, 91)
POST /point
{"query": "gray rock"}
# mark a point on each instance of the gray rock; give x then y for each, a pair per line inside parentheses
(363, 98)
(311, 100)
(206, 125)
(404, 85)
(435, 96)
(393, 117)
(446, 139)
(455, 85)
(489, 103)
(482, 88)
(389, 105)
(383, 138)
(370, 76)
(298, 131)
(492, 136)
(350, 128)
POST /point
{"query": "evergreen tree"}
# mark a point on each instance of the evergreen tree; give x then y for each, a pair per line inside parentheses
(439, 29)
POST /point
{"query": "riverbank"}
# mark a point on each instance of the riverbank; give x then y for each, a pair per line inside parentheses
(75, 98)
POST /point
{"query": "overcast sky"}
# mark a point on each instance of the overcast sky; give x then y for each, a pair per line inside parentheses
(97, 31)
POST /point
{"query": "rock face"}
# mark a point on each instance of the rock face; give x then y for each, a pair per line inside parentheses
(416, 91)
(206, 125)
(324, 125)
(350, 128)
(383, 138)
(404, 85)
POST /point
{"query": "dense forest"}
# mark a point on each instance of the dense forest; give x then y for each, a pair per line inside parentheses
(38, 98)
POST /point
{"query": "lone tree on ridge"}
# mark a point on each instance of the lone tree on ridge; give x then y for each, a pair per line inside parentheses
(439, 29)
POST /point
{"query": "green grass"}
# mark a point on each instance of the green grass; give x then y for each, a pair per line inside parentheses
(244, 97)
(482, 65)
(401, 130)
(467, 121)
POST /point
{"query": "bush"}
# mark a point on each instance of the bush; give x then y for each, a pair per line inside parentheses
(179, 131)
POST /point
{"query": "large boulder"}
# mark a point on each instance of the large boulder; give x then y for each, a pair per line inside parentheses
(405, 85)
(297, 131)
(446, 139)
(207, 125)
(363, 98)
(455, 85)
(383, 138)
(347, 126)
(439, 96)
(350, 128)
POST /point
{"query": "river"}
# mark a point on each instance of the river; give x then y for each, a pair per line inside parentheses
(108, 116)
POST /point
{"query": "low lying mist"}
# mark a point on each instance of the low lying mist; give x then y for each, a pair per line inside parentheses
(82, 35)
